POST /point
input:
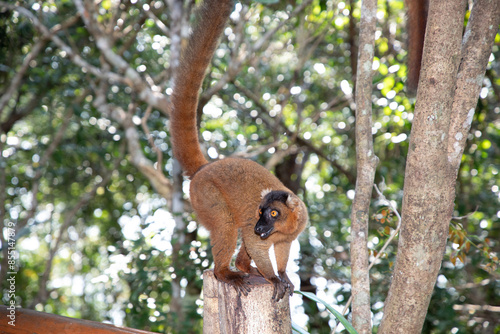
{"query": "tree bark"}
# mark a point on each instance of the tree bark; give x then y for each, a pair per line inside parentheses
(352, 42)
(476, 49)
(445, 109)
(366, 165)
(429, 190)
(177, 316)
(226, 312)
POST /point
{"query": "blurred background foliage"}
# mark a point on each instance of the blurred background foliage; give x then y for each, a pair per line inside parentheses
(96, 241)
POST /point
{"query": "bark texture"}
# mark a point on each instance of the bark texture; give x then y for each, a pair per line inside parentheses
(366, 166)
(476, 49)
(226, 312)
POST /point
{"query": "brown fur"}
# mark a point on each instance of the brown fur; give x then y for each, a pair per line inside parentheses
(212, 17)
(228, 193)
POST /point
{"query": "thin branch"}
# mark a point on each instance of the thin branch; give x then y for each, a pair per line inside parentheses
(353, 47)
(387, 242)
(18, 77)
(319, 151)
(473, 285)
(471, 308)
(35, 50)
(144, 123)
(239, 59)
(278, 156)
(467, 215)
(267, 36)
(68, 219)
(75, 58)
(55, 142)
(477, 42)
(132, 78)
(158, 180)
(17, 114)
(394, 233)
(159, 23)
(366, 161)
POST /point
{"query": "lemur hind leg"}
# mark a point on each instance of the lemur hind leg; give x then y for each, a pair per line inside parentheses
(214, 214)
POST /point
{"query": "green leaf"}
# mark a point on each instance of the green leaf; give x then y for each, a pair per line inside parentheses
(106, 4)
(322, 4)
(337, 314)
(297, 329)
(486, 144)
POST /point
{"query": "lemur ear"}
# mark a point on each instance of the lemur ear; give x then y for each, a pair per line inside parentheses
(292, 201)
(264, 193)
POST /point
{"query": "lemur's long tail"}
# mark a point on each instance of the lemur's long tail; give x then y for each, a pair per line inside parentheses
(212, 17)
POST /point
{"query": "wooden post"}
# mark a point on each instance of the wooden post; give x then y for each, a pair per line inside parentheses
(224, 312)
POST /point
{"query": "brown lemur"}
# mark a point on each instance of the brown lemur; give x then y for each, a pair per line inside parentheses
(231, 195)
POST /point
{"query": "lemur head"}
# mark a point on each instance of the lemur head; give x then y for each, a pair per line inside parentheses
(280, 212)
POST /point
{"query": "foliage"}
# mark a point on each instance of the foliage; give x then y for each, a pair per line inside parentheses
(110, 235)
(336, 313)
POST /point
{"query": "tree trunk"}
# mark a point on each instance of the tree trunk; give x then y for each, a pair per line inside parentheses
(429, 181)
(426, 217)
(366, 161)
(177, 316)
(478, 39)
(353, 47)
(226, 312)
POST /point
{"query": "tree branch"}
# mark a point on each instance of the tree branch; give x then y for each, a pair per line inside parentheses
(294, 136)
(155, 176)
(476, 49)
(429, 187)
(42, 295)
(75, 58)
(55, 142)
(387, 242)
(144, 123)
(35, 50)
(240, 58)
(366, 166)
(17, 115)
(18, 77)
(132, 78)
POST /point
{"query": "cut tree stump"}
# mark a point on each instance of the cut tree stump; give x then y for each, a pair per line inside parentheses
(29, 322)
(224, 312)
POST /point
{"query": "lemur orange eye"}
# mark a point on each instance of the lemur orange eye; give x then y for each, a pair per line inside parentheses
(260, 212)
(274, 213)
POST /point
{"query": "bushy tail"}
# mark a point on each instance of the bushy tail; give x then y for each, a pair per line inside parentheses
(212, 17)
